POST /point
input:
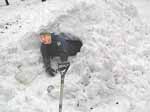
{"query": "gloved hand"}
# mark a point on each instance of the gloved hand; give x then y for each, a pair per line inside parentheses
(51, 71)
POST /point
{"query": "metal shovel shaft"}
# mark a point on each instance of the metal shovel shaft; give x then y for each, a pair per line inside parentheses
(62, 68)
(61, 94)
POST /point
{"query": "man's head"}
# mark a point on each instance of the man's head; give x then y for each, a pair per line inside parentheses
(45, 38)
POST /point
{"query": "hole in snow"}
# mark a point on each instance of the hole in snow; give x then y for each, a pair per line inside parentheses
(72, 44)
(117, 102)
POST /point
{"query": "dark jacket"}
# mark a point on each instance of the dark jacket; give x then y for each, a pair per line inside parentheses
(59, 47)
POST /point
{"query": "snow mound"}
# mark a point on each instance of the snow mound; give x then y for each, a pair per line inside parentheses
(110, 73)
(112, 36)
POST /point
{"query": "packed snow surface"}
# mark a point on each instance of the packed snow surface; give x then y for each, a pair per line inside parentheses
(143, 7)
(110, 74)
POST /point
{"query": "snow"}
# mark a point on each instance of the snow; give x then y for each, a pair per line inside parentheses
(111, 73)
(143, 9)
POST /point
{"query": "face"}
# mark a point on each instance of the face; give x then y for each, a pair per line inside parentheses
(46, 39)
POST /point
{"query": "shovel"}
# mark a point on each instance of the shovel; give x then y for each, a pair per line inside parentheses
(62, 68)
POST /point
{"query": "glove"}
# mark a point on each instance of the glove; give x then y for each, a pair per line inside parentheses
(51, 71)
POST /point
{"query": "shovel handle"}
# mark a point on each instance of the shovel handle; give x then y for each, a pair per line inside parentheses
(63, 67)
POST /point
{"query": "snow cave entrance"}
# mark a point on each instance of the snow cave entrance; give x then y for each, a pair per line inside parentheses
(62, 25)
(74, 45)
(74, 42)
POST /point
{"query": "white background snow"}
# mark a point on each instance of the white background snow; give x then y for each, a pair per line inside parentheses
(110, 74)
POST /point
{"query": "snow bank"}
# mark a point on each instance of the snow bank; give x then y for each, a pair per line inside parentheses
(110, 73)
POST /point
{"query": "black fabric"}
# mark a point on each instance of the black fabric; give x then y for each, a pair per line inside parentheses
(74, 47)
(53, 50)
(59, 47)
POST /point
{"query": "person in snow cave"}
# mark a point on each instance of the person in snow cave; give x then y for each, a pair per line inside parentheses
(56, 45)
